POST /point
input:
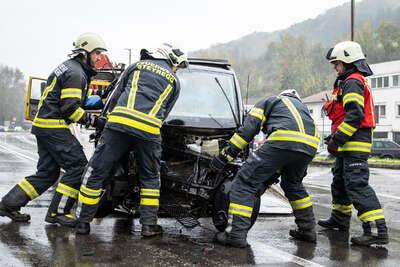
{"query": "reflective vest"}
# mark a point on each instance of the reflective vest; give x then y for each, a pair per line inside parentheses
(335, 108)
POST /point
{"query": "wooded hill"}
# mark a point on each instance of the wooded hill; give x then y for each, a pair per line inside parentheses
(295, 57)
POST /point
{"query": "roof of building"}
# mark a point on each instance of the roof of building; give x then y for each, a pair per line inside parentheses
(318, 97)
(387, 67)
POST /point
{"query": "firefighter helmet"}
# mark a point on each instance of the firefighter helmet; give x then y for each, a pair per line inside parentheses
(290, 92)
(347, 52)
(88, 42)
(174, 54)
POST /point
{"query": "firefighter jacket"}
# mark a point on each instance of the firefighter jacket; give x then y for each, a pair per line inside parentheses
(287, 123)
(145, 94)
(61, 101)
(352, 113)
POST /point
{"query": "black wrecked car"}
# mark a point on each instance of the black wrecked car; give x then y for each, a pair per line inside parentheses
(209, 110)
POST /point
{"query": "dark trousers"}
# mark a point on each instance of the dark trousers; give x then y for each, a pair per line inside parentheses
(261, 166)
(56, 150)
(350, 186)
(113, 145)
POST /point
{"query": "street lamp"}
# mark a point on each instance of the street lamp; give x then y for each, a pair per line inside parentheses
(130, 51)
(352, 19)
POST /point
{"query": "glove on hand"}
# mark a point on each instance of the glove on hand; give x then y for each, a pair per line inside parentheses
(91, 120)
(332, 146)
(218, 163)
(100, 123)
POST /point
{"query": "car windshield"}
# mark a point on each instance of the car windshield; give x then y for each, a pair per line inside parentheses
(202, 103)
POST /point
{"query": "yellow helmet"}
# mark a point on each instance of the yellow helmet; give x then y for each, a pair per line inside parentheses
(347, 52)
(88, 42)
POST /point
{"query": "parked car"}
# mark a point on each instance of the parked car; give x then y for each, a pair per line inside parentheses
(385, 149)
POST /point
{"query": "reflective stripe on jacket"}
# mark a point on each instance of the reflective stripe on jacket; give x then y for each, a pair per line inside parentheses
(147, 92)
(287, 122)
(60, 103)
(353, 115)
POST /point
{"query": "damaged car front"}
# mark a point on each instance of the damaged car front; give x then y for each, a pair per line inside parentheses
(207, 113)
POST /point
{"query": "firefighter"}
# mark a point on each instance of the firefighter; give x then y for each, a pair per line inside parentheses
(59, 105)
(145, 94)
(353, 120)
(292, 141)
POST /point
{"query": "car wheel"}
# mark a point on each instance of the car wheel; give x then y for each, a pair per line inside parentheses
(105, 207)
(221, 206)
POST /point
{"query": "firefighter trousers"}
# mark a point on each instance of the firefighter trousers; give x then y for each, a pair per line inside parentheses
(350, 186)
(112, 146)
(261, 166)
(58, 150)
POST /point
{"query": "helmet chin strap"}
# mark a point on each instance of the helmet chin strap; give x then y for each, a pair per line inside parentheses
(88, 61)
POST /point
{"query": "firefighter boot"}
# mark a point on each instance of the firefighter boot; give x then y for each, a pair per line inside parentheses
(308, 235)
(234, 239)
(337, 220)
(151, 230)
(368, 238)
(11, 204)
(83, 228)
(63, 219)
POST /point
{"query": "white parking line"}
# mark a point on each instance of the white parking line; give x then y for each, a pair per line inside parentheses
(263, 251)
(328, 188)
(17, 153)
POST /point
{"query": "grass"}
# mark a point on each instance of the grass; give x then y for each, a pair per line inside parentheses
(375, 160)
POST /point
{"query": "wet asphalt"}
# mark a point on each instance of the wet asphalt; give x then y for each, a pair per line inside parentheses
(116, 240)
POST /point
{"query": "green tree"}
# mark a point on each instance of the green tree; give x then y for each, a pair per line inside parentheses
(12, 95)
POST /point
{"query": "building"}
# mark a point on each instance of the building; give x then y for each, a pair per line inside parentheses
(385, 84)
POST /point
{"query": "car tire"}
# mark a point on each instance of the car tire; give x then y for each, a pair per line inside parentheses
(221, 206)
(105, 207)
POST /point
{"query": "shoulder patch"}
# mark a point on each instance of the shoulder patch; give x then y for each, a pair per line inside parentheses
(60, 70)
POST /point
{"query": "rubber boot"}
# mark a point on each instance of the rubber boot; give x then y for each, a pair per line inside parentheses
(368, 238)
(337, 220)
(10, 205)
(304, 235)
(236, 239)
(83, 228)
(63, 219)
(151, 230)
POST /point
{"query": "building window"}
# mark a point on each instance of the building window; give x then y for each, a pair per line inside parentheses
(380, 135)
(396, 80)
(379, 82)
(311, 111)
(380, 111)
(386, 81)
(373, 82)
(398, 110)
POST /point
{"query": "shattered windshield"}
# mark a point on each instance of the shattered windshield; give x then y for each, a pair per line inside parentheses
(201, 102)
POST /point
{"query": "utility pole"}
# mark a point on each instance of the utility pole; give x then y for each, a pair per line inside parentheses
(130, 51)
(352, 19)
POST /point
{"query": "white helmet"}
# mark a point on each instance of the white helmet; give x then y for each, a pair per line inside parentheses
(347, 52)
(290, 92)
(174, 55)
(88, 42)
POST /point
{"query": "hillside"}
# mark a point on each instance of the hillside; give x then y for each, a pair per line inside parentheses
(324, 29)
(295, 57)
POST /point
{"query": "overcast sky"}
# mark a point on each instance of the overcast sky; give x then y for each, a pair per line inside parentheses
(35, 36)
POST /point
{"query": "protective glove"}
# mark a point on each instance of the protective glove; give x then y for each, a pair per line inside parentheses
(332, 146)
(218, 163)
(91, 120)
(100, 123)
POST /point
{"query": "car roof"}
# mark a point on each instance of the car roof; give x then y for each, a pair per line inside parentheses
(210, 64)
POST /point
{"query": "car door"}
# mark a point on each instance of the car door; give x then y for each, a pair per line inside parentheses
(36, 87)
